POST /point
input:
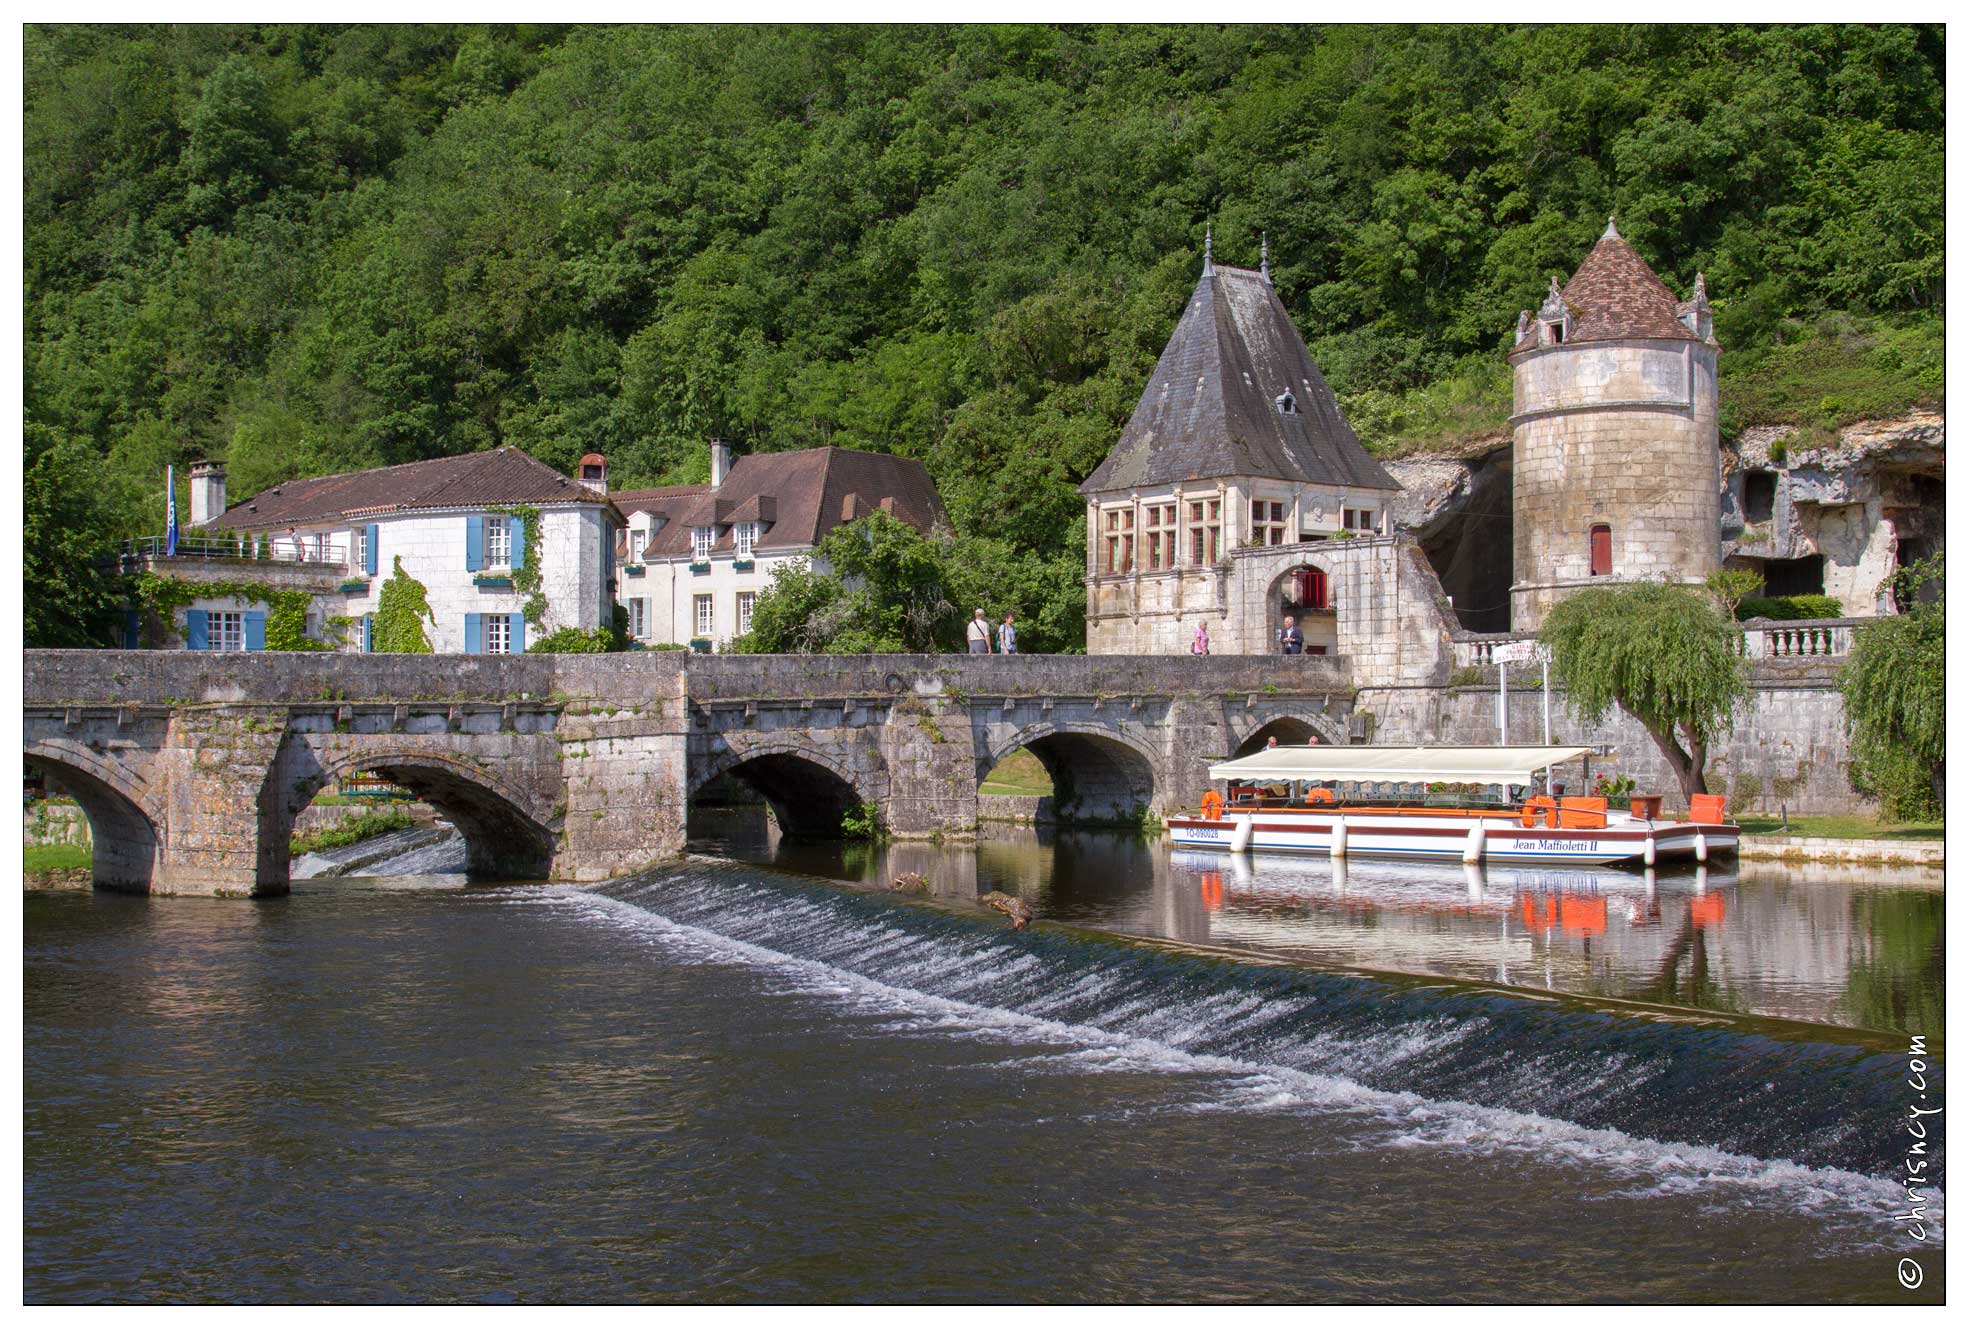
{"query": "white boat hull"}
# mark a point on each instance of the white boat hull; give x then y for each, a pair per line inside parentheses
(1501, 839)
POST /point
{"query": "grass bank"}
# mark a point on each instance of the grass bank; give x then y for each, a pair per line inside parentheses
(1020, 773)
(1843, 828)
(58, 857)
(352, 831)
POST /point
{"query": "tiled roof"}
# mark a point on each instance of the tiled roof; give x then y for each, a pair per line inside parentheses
(802, 494)
(500, 477)
(1211, 409)
(1615, 295)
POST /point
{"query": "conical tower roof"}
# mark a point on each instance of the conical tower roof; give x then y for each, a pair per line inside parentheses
(1615, 296)
(1212, 408)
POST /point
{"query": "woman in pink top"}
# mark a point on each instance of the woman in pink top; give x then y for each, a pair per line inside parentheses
(1201, 646)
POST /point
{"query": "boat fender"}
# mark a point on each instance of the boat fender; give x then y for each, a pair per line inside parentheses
(1337, 847)
(1241, 837)
(1473, 844)
(1648, 848)
(1702, 847)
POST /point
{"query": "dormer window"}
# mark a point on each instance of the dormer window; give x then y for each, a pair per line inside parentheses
(744, 536)
(638, 540)
(1555, 334)
(701, 538)
(1287, 404)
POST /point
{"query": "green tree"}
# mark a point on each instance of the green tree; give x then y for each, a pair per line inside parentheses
(72, 593)
(1664, 654)
(1895, 703)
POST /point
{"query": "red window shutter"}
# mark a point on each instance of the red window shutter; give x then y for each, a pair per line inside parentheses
(1602, 551)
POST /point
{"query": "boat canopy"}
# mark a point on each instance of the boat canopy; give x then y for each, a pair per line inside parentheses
(1319, 762)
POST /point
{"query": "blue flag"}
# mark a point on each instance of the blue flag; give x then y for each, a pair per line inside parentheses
(171, 513)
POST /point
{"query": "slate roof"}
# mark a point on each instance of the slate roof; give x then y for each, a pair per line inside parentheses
(1210, 410)
(1615, 296)
(803, 495)
(501, 477)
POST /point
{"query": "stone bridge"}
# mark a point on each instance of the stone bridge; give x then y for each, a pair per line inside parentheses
(192, 766)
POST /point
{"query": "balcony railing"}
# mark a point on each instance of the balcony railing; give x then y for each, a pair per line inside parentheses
(1823, 638)
(329, 553)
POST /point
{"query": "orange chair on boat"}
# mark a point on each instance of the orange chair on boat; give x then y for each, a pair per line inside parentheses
(1318, 795)
(1544, 803)
(1213, 805)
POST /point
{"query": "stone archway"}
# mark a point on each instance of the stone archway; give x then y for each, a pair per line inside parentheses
(1099, 776)
(126, 843)
(1309, 593)
(504, 839)
(808, 792)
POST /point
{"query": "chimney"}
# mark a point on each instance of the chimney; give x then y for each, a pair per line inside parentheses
(721, 463)
(208, 492)
(593, 472)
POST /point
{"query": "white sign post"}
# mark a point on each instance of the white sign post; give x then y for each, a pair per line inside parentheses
(1521, 652)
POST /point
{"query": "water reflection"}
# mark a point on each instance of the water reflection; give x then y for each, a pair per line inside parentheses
(1859, 949)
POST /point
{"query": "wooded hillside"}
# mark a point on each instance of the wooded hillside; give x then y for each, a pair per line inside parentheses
(309, 249)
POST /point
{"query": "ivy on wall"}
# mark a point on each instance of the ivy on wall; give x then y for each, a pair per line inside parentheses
(161, 598)
(398, 627)
(526, 578)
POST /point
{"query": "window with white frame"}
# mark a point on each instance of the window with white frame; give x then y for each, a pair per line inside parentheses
(321, 547)
(704, 615)
(701, 542)
(1206, 524)
(226, 631)
(498, 543)
(637, 540)
(639, 618)
(1160, 519)
(361, 546)
(1119, 524)
(498, 634)
(746, 534)
(1267, 522)
(746, 599)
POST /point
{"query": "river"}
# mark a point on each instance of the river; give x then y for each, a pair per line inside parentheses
(743, 1081)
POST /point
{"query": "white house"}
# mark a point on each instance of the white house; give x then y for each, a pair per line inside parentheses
(456, 525)
(696, 557)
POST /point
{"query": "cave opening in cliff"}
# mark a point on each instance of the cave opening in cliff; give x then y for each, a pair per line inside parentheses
(1795, 576)
(1469, 546)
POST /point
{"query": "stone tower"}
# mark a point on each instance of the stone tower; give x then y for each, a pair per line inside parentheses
(1616, 476)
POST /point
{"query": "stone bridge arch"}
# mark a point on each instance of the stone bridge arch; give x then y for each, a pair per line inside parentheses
(508, 835)
(808, 788)
(1292, 723)
(1100, 772)
(124, 828)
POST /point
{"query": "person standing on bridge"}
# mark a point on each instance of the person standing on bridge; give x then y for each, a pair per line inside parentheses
(1291, 641)
(979, 634)
(1200, 644)
(1008, 637)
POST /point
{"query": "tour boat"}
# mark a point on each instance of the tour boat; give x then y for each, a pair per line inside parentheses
(1422, 802)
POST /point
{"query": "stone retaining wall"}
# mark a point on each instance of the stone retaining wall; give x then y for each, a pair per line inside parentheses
(1019, 809)
(64, 823)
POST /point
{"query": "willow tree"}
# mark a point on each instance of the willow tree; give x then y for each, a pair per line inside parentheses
(1894, 701)
(1663, 654)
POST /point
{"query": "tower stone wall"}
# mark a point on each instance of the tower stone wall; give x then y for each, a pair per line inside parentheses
(1620, 434)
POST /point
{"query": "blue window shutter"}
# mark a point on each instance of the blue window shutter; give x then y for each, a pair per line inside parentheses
(369, 628)
(474, 638)
(474, 543)
(516, 541)
(369, 551)
(133, 629)
(516, 643)
(195, 638)
(256, 630)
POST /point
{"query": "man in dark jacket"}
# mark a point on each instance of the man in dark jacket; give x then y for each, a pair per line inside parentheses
(1291, 641)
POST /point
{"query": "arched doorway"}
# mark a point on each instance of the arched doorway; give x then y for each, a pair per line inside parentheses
(1308, 594)
(124, 840)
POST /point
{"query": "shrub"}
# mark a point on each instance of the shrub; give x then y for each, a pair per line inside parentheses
(1790, 607)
